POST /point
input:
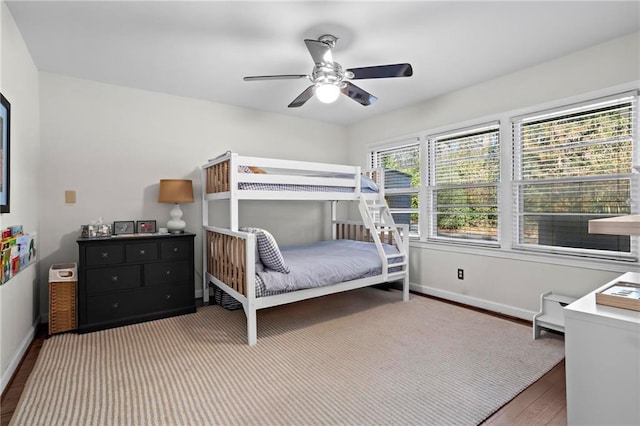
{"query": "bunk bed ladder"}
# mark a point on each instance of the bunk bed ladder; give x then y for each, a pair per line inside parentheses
(378, 219)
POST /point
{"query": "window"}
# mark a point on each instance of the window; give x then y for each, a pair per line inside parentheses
(463, 188)
(570, 166)
(567, 166)
(401, 166)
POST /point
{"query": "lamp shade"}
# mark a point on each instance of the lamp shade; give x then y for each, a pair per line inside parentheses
(175, 191)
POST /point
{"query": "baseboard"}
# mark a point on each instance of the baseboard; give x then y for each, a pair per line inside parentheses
(17, 358)
(474, 301)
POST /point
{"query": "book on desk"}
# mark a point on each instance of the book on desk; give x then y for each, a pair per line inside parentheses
(622, 294)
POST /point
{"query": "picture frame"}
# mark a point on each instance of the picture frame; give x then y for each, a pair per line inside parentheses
(146, 227)
(124, 227)
(5, 149)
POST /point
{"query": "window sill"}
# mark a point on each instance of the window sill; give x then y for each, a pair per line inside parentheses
(527, 256)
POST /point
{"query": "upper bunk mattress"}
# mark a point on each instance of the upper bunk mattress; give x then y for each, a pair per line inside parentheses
(366, 185)
(252, 186)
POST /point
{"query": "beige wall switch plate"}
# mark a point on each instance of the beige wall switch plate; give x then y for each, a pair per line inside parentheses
(70, 197)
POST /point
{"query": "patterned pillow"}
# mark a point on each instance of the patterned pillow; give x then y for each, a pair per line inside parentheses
(268, 249)
(255, 232)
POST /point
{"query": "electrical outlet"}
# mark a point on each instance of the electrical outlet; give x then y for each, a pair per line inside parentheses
(460, 274)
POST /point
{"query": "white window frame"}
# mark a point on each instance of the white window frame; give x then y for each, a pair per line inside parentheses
(517, 181)
(399, 144)
(507, 217)
(433, 186)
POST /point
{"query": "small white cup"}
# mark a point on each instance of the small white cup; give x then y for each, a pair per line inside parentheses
(163, 231)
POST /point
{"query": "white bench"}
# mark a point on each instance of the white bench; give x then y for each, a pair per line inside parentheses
(551, 315)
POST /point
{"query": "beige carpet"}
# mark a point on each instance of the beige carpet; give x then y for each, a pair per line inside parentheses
(361, 357)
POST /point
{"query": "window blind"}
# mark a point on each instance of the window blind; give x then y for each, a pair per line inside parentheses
(571, 166)
(401, 166)
(465, 172)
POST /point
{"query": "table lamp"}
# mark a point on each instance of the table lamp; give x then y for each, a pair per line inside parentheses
(175, 191)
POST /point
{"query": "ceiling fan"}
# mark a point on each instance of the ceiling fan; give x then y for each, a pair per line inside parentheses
(329, 79)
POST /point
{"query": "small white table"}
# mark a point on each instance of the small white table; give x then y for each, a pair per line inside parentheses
(602, 350)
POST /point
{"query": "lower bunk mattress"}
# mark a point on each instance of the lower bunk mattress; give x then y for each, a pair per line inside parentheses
(321, 264)
(316, 265)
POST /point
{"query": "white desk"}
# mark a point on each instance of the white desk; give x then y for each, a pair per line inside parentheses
(602, 350)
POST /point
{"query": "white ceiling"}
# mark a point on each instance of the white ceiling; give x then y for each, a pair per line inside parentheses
(202, 49)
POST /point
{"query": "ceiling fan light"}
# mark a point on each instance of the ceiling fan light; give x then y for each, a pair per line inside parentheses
(327, 93)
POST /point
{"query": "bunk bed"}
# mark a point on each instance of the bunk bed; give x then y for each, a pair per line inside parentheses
(234, 258)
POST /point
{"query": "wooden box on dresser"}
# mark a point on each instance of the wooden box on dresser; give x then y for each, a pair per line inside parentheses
(129, 279)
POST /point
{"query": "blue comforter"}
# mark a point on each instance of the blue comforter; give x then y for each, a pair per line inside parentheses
(324, 263)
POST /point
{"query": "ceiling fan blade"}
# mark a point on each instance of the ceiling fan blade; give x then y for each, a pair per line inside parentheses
(382, 71)
(359, 95)
(302, 98)
(320, 51)
(275, 77)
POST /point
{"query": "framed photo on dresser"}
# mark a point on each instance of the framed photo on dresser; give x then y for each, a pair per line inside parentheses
(124, 227)
(146, 227)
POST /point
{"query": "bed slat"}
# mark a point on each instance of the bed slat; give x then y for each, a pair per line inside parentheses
(358, 232)
(227, 260)
(218, 178)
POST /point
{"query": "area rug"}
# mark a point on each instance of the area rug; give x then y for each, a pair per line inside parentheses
(362, 357)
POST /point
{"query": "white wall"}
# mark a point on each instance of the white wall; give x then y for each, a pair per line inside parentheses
(113, 144)
(503, 280)
(19, 314)
(598, 67)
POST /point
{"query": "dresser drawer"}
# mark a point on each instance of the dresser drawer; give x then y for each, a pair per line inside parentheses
(103, 280)
(178, 249)
(141, 252)
(166, 273)
(169, 297)
(109, 307)
(104, 255)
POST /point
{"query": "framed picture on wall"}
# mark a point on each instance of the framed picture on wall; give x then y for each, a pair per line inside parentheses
(5, 135)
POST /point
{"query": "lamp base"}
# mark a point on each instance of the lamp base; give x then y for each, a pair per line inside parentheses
(176, 225)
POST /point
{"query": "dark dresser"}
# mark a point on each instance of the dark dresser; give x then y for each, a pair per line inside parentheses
(129, 279)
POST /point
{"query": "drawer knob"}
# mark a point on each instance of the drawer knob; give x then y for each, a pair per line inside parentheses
(115, 305)
(141, 252)
(105, 254)
(167, 296)
(114, 278)
(168, 272)
(175, 249)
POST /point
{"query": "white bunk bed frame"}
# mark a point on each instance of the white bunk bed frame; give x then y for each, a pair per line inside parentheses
(229, 254)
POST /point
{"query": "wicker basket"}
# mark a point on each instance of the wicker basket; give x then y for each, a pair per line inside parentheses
(62, 298)
(62, 306)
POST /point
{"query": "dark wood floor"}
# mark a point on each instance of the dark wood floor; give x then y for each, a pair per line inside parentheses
(12, 392)
(542, 403)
